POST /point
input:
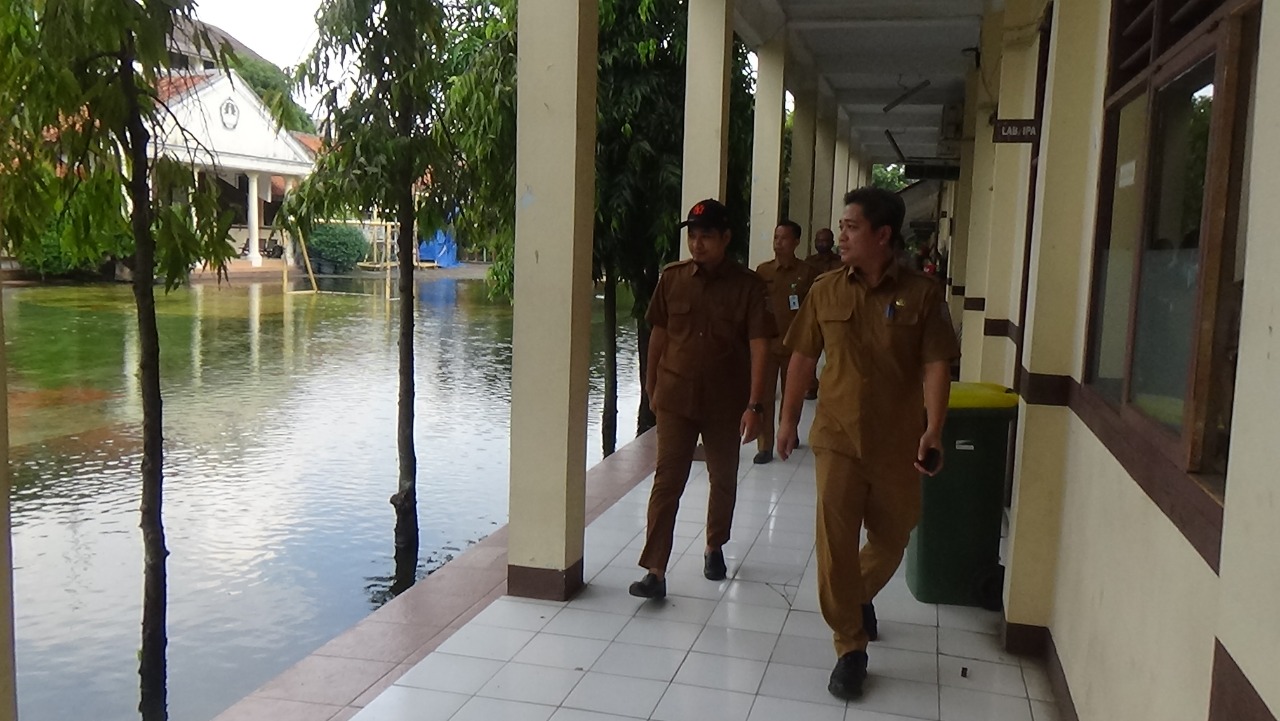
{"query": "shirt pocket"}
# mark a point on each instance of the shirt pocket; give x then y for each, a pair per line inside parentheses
(903, 334)
(680, 320)
(836, 324)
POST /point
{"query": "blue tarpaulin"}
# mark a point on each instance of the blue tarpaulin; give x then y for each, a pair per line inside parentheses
(441, 249)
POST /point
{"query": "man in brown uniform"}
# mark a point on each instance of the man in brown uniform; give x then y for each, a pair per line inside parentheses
(705, 375)
(878, 424)
(824, 257)
(789, 280)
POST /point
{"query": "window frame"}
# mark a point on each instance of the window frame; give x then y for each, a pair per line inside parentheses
(1220, 37)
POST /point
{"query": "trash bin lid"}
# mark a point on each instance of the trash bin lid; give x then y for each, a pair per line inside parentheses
(982, 395)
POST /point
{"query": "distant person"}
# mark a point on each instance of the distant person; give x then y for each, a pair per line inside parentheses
(789, 280)
(824, 257)
(878, 426)
(705, 376)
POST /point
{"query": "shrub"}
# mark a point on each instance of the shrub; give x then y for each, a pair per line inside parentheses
(342, 245)
(62, 250)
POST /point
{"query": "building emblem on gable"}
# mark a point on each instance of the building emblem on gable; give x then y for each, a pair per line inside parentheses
(230, 113)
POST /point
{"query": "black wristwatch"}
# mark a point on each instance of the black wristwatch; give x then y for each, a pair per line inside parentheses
(756, 408)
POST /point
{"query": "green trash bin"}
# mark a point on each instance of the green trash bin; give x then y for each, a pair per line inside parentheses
(954, 553)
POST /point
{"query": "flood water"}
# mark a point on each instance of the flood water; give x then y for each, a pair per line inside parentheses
(280, 415)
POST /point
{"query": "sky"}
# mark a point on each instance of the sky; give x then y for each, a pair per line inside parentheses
(281, 31)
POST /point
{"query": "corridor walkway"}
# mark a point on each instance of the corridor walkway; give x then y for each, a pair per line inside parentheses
(752, 648)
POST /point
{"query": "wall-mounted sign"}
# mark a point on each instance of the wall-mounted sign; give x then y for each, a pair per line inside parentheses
(230, 113)
(1016, 131)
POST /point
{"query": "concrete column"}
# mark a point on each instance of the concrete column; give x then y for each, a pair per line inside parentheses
(840, 177)
(824, 162)
(766, 151)
(855, 169)
(255, 257)
(1058, 297)
(972, 342)
(960, 213)
(8, 679)
(1010, 183)
(555, 207)
(197, 336)
(706, 122)
(804, 117)
(290, 185)
(255, 327)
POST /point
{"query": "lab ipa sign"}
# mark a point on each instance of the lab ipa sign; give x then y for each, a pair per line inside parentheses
(1016, 131)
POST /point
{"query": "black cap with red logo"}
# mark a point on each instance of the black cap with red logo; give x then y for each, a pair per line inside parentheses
(709, 213)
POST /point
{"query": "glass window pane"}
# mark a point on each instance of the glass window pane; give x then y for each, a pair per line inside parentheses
(1116, 253)
(1165, 327)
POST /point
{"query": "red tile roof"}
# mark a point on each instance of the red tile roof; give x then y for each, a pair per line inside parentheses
(177, 84)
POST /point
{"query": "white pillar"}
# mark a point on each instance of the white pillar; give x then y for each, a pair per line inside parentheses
(853, 179)
(824, 162)
(290, 184)
(803, 120)
(555, 210)
(197, 335)
(706, 122)
(255, 257)
(766, 152)
(840, 177)
(255, 327)
(8, 682)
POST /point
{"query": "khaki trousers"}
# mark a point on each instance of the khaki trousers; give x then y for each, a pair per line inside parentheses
(775, 374)
(677, 438)
(852, 493)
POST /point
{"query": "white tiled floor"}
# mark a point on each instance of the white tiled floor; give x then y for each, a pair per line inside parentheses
(752, 648)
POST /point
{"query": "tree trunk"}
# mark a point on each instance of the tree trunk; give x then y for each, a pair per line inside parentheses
(645, 418)
(152, 667)
(643, 288)
(609, 424)
(405, 499)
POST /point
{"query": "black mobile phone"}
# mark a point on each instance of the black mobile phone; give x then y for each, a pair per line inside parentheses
(931, 459)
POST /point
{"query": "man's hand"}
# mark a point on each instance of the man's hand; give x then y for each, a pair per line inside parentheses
(931, 440)
(788, 440)
(749, 428)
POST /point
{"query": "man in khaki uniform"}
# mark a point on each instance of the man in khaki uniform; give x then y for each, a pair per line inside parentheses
(788, 279)
(885, 387)
(824, 257)
(705, 376)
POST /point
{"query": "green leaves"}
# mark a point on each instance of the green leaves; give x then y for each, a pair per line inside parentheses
(70, 69)
(381, 67)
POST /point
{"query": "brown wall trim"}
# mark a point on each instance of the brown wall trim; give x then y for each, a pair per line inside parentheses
(957, 291)
(1058, 679)
(548, 584)
(1002, 328)
(1175, 492)
(975, 303)
(1232, 696)
(1021, 639)
(1042, 389)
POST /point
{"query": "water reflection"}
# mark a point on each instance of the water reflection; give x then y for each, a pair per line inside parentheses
(280, 442)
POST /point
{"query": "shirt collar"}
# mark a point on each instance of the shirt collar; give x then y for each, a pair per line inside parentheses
(890, 275)
(718, 272)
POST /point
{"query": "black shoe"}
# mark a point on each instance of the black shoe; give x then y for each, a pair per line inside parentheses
(869, 622)
(649, 587)
(713, 566)
(763, 457)
(848, 675)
